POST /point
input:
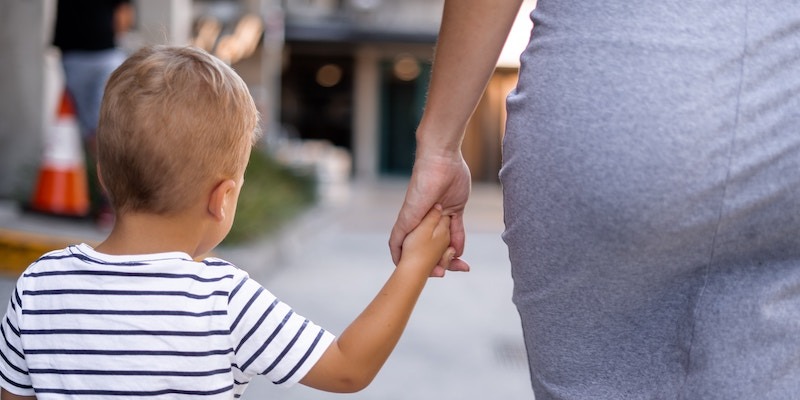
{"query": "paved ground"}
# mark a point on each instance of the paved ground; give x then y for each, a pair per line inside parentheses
(463, 341)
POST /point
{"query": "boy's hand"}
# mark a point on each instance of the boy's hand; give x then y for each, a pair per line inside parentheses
(428, 244)
(435, 179)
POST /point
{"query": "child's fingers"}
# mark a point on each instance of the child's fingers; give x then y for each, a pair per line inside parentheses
(433, 217)
(447, 257)
(443, 228)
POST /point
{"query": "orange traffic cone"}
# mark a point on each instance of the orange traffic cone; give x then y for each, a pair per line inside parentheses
(62, 188)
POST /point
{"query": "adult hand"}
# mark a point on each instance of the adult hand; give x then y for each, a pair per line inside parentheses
(435, 179)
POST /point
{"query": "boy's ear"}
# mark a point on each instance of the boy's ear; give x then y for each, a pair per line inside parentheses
(219, 198)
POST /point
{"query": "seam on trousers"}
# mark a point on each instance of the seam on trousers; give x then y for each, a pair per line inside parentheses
(681, 393)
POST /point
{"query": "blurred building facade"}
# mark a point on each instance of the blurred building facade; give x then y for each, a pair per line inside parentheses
(354, 73)
(349, 73)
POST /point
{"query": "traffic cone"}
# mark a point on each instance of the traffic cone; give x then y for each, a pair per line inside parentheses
(62, 187)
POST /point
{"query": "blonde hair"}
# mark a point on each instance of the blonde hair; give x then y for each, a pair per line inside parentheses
(173, 120)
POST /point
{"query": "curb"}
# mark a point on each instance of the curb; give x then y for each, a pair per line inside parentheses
(19, 249)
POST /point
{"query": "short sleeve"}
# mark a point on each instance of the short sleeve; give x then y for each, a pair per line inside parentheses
(270, 338)
(13, 368)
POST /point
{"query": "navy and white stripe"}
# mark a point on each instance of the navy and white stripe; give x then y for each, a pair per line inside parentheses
(85, 324)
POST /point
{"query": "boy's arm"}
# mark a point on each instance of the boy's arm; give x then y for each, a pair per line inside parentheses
(353, 360)
(5, 395)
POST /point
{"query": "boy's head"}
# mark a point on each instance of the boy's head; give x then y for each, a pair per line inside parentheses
(173, 122)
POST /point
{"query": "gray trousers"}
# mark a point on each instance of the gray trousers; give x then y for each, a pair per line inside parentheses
(651, 185)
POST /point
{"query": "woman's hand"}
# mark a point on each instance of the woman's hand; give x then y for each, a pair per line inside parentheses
(435, 180)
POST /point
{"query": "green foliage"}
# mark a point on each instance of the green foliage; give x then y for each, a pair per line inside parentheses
(272, 195)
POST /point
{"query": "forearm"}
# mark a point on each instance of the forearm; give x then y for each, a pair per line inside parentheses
(471, 37)
(353, 361)
(124, 18)
(371, 337)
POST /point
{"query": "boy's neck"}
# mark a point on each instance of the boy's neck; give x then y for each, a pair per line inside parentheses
(142, 233)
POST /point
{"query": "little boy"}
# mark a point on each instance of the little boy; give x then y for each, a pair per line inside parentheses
(137, 316)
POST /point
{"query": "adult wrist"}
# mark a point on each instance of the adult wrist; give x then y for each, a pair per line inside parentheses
(438, 153)
(438, 143)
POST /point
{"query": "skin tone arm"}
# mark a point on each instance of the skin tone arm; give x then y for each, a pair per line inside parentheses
(10, 396)
(471, 37)
(353, 360)
(124, 18)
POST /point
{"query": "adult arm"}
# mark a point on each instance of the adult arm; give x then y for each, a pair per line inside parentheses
(124, 17)
(352, 361)
(471, 37)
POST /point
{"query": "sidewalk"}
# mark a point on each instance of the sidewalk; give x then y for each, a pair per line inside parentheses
(464, 340)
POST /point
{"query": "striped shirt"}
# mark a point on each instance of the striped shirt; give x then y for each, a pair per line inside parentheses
(82, 324)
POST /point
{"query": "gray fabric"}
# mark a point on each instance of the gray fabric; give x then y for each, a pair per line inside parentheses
(652, 199)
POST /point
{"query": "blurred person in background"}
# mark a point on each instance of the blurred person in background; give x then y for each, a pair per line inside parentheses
(87, 33)
(651, 193)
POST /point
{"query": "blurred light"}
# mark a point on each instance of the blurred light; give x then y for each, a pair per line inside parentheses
(406, 67)
(518, 37)
(329, 75)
